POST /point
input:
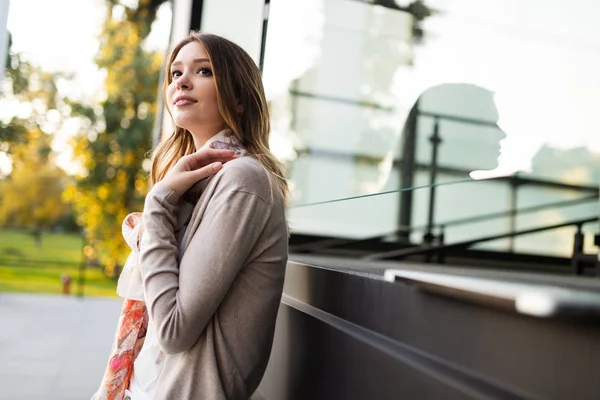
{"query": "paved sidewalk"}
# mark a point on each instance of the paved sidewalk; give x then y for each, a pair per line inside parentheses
(54, 347)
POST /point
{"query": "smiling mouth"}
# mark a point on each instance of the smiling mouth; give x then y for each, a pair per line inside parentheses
(181, 103)
(184, 101)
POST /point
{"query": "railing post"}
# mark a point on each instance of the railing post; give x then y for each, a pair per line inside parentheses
(577, 251)
(435, 142)
(597, 244)
(441, 254)
(512, 218)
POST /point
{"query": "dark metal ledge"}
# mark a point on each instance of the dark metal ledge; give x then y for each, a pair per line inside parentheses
(344, 332)
(539, 300)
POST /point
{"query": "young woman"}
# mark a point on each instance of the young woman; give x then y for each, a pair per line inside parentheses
(213, 238)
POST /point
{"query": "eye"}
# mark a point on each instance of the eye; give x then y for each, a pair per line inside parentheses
(175, 73)
(204, 71)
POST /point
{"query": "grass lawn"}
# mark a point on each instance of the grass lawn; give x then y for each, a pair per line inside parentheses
(26, 268)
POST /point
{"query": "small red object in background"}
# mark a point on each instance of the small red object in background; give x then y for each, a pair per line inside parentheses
(66, 284)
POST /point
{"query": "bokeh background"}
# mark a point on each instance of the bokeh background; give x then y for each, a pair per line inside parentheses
(77, 109)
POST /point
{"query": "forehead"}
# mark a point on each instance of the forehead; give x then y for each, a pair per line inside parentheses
(190, 52)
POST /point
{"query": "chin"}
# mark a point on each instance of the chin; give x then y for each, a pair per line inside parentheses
(184, 123)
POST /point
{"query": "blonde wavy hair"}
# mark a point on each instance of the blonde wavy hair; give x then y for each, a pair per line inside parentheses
(238, 81)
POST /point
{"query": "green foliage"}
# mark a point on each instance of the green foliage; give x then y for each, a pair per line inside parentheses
(31, 196)
(115, 143)
(18, 73)
(13, 132)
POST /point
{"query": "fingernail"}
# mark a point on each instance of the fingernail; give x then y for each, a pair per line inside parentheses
(217, 166)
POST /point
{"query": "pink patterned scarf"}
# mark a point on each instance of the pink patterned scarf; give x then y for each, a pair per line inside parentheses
(133, 321)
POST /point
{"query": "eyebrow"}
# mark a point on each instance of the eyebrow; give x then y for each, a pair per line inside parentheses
(195, 61)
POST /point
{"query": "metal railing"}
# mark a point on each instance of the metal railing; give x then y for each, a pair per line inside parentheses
(469, 243)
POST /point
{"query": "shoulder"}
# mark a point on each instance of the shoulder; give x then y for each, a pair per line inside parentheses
(245, 174)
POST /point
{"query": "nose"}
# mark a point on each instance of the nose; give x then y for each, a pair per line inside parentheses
(183, 82)
(501, 133)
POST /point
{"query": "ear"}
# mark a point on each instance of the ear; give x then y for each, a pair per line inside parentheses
(239, 108)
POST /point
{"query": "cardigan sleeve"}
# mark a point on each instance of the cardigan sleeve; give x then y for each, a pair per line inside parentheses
(183, 296)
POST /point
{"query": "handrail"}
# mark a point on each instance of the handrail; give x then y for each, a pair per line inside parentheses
(516, 178)
(330, 242)
(469, 243)
(334, 99)
(519, 211)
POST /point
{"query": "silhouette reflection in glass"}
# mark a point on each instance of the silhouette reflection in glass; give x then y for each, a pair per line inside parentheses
(451, 133)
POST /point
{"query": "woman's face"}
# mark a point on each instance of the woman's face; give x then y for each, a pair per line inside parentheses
(192, 94)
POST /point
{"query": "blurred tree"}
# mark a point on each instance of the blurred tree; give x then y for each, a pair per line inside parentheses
(31, 196)
(37, 91)
(15, 84)
(112, 147)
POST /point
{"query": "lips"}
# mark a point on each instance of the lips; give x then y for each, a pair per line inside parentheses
(184, 101)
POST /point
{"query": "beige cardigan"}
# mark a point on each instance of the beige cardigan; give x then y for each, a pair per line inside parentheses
(213, 289)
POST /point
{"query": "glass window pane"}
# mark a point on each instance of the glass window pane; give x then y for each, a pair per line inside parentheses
(375, 97)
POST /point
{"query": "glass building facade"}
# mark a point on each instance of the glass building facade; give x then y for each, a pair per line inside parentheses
(400, 118)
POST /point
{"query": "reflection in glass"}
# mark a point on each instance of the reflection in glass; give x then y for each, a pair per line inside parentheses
(507, 90)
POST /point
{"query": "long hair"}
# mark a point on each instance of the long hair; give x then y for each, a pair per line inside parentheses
(238, 81)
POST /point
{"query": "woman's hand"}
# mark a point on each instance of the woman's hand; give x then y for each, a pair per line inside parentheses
(196, 166)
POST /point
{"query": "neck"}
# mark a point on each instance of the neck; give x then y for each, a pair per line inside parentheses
(202, 134)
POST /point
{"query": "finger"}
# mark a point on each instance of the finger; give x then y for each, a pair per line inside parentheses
(198, 164)
(200, 160)
(210, 155)
(205, 172)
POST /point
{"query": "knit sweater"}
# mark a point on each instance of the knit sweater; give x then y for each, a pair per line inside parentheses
(213, 285)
